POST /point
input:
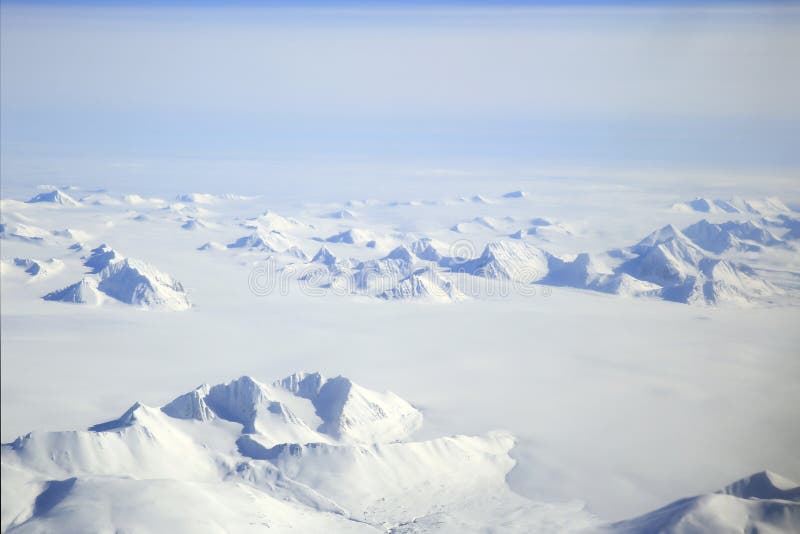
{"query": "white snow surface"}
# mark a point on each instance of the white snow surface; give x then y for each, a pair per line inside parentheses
(315, 452)
(576, 342)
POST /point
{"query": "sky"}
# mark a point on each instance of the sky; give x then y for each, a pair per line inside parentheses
(149, 93)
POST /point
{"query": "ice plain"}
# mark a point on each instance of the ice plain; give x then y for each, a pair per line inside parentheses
(618, 404)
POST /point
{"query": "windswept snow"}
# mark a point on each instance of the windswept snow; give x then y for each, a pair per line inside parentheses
(73, 234)
(23, 232)
(37, 268)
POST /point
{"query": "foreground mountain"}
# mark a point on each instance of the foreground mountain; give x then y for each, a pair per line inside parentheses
(314, 454)
(307, 453)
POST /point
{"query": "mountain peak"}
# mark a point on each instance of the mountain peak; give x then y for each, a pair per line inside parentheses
(55, 196)
(764, 485)
(401, 253)
(324, 256)
(662, 235)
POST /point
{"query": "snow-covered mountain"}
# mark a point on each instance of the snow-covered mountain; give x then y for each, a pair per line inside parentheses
(195, 223)
(666, 264)
(708, 263)
(763, 502)
(325, 257)
(423, 284)
(763, 206)
(505, 260)
(482, 223)
(747, 236)
(101, 257)
(100, 199)
(306, 452)
(270, 221)
(428, 249)
(340, 214)
(301, 408)
(264, 241)
(357, 236)
(126, 280)
(55, 196)
(670, 259)
(385, 271)
(314, 453)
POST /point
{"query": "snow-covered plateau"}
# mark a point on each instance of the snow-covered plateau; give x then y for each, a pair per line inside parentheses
(560, 365)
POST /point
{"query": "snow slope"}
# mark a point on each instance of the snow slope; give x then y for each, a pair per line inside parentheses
(39, 268)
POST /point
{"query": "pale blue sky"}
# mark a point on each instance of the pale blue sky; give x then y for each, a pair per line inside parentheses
(88, 91)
